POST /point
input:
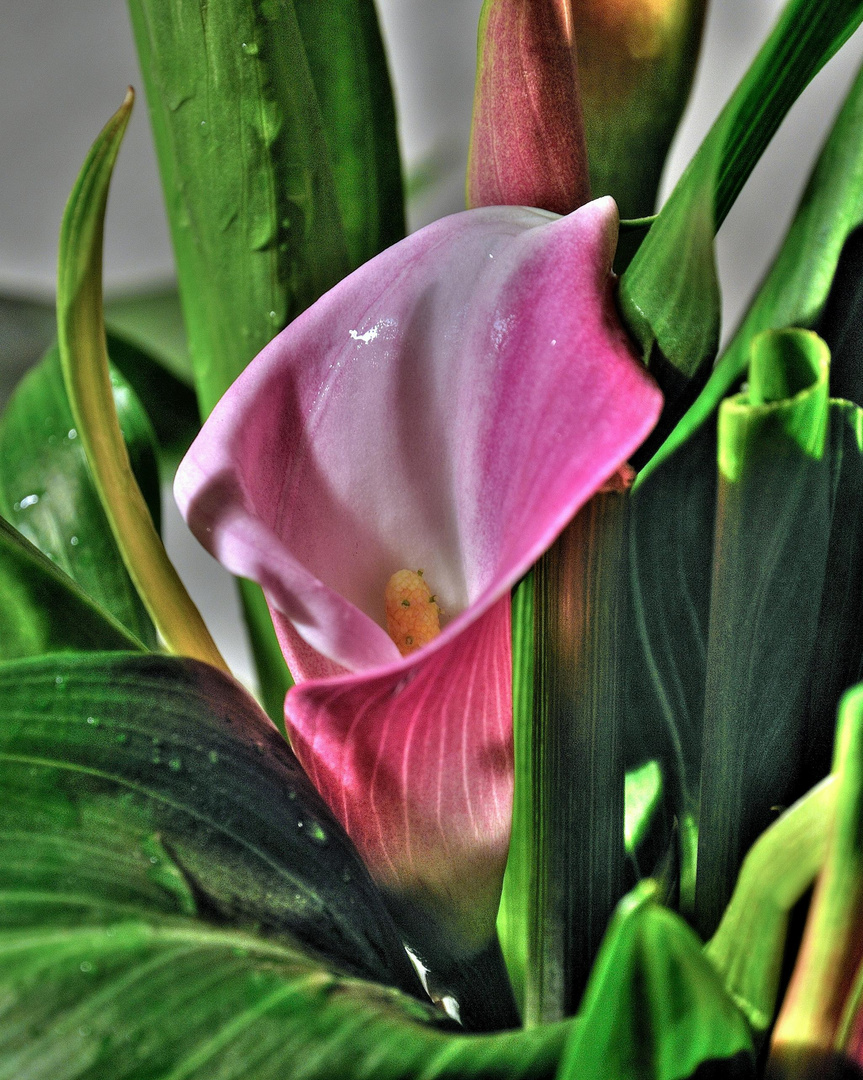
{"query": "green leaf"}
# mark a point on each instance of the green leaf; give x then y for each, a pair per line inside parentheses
(815, 255)
(178, 902)
(247, 175)
(47, 492)
(669, 547)
(348, 66)
(838, 656)
(86, 374)
(197, 803)
(44, 611)
(772, 533)
(748, 947)
(669, 295)
(654, 1008)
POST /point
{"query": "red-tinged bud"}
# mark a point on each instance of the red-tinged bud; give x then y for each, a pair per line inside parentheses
(527, 141)
(636, 61)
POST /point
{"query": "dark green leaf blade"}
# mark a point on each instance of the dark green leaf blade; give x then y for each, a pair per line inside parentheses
(183, 762)
(47, 493)
(654, 1008)
(42, 610)
(669, 294)
(346, 58)
(177, 901)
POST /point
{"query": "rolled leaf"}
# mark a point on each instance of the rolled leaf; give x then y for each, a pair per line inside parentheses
(772, 533)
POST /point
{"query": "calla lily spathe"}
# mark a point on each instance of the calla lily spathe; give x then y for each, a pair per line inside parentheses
(449, 406)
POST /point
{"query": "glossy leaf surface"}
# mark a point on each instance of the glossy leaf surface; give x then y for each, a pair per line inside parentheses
(194, 858)
(769, 558)
(47, 492)
(42, 610)
(345, 53)
(654, 1008)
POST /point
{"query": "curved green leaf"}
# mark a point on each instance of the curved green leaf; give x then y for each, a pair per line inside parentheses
(176, 901)
(44, 611)
(654, 1008)
(669, 294)
(86, 374)
(749, 944)
(176, 765)
(47, 491)
(795, 291)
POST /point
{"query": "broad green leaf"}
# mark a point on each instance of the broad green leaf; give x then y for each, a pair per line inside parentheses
(797, 290)
(47, 491)
(814, 1013)
(84, 361)
(42, 610)
(152, 320)
(247, 174)
(654, 1009)
(178, 902)
(748, 946)
(342, 41)
(196, 802)
(669, 547)
(577, 772)
(669, 294)
(772, 533)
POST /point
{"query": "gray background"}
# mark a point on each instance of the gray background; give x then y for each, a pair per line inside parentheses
(64, 66)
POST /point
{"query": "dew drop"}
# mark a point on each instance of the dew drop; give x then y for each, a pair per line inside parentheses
(71, 434)
(92, 720)
(213, 756)
(86, 966)
(175, 764)
(317, 833)
(73, 540)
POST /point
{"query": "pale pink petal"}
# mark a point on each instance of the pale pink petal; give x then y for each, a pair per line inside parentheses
(449, 406)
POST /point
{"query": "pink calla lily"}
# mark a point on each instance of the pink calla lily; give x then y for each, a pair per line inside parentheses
(449, 406)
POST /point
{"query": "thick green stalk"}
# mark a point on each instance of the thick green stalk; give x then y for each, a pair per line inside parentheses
(577, 765)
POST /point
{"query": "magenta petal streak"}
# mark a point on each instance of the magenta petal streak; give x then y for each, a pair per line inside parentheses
(449, 406)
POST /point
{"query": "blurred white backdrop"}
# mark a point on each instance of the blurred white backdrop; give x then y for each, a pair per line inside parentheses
(65, 64)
